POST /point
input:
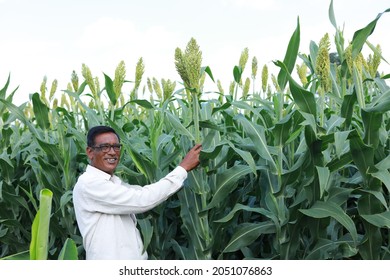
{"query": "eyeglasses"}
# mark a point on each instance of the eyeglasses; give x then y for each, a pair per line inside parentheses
(107, 147)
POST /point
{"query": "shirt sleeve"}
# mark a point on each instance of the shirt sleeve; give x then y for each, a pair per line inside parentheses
(108, 197)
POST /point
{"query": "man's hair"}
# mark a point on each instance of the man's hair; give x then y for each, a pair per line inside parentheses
(97, 130)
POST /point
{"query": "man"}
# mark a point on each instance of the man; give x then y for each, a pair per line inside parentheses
(105, 206)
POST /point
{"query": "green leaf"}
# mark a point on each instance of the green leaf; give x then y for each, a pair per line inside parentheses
(362, 155)
(340, 142)
(325, 249)
(322, 209)
(41, 111)
(290, 57)
(68, 251)
(40, 228)
(384, 177)
(324, 178)
(304, 99)
(227, 182)
(246, 156)
(238, 207)
(177, 125)
(282, 131)
(237, 72)
(372, 123)
(143, 103)
(146, 230)
(208, 71)
(247, 233)
(25, 255)
(189, 213)
(332, 17)
(256, 134)
(380, 104)
(18, 112)
(109, 85)
(347, 107)
(379, 220)
(360, 36)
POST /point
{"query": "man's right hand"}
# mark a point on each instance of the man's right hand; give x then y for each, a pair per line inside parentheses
(191, 159)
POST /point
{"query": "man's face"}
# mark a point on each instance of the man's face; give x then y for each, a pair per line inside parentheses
(105, 161)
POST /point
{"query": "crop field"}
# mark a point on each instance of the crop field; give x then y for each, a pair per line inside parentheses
(295, 164)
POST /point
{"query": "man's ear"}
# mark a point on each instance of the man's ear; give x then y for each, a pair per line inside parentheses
(89, 152)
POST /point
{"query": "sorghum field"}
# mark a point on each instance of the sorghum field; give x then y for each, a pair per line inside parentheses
(294, 165)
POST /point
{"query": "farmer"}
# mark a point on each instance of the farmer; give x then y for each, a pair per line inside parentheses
(105, 206)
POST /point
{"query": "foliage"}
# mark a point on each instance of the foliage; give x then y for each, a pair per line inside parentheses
(297, 172)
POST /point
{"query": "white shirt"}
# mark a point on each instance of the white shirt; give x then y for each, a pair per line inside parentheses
(105, 208)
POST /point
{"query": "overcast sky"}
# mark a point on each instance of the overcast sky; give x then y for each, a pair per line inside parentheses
(52, 38)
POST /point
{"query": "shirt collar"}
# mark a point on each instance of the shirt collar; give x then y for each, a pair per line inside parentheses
(98, 173)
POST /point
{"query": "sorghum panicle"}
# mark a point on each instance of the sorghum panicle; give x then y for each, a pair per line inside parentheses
(254, 67)
(86, 72)
(75, 81)
(264, 78)
(322, 69)
(120, 75)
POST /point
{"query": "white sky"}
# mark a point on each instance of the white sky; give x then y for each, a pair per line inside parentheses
(52, 37)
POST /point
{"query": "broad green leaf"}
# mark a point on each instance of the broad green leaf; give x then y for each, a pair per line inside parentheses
(109, 86)
(282, 131)
(53, 151)
(339, 195)
(340, 142)
(380, 104)
(3, 91)
(383, 164)
(309, 121)
(207, 70)
(93, 117)
(18, 112)
(322, 209)
(68, 251)
(347, 107)
(290, 57)
(304, 99)
(362, 155)
(143, 103)
(41, 111)
(325, 249)
(146, 230)
(247, 234)
(238, 207)
(40, 228)
(324, 179)
(246, 156)
(333, 123)
(378, 195)
(360, 36)
(25, 255)
(177, 125)
(379, 220)
(384, 176)
(191, 222)
(182, 253)
(332, 17)
(227, 182)
(237, 72)
(256, 134)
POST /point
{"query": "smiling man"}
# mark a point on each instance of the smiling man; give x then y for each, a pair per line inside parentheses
(105, 206)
